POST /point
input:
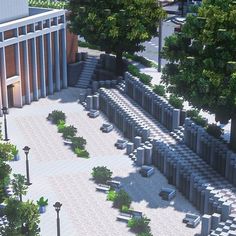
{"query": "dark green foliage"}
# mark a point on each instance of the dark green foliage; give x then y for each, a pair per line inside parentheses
(116, 26)
(122, 199)
(60, 126)
(140, 226)
(69, 132)
(5, 171)
(192, 113)
(81, 152)
(88, 45)
(22, 217)
(214, 130)
(56, 116)
(144, 78)
(202, 61)
(176, 102)
(199, 120)
(19, 186)
(101, 174)
(111, 195)
(78, 142)
(159, 90)
(141, 60)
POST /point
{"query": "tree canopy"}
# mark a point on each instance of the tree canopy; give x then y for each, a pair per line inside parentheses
(202, 60)
(116, 26)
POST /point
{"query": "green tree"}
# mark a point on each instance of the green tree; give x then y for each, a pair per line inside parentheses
(5, 171)
(121, 199)
(202, 61)
(23, 218)
(101, 174)
(19, 185)
(116, 26)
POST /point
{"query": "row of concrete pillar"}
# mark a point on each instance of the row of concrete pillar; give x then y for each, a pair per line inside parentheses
(124, 119)
(152, 103)
(211, 150)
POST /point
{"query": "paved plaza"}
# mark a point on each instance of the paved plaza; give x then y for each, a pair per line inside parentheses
(57, 174)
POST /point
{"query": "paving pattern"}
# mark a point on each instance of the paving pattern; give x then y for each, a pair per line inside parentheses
(57, 174)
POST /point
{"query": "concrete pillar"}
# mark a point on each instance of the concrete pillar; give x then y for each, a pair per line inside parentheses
(57, 61)
(175, 118)
(26, 71)
(137, 141)
(206, 225)
(226, 210)
(89, 102)
(3, 98)
(140, 156)
(42, 67)
(129, 148)
(215, 220)
(49, 61)
(95, 86)
(34, 69)
(96, 102)
(64, 60)
(148, 155)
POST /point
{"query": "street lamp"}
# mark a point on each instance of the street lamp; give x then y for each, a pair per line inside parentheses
(57, 206)
(5, 110)
(26, 150)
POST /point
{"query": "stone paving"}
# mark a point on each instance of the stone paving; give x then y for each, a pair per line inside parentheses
(57, 174)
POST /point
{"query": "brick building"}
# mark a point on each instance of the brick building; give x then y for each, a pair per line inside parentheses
(35, 48)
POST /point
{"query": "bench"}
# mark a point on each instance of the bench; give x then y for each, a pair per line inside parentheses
(191, 220)
(103, 188)
(114, 184)
(167, 193)
(124, 217)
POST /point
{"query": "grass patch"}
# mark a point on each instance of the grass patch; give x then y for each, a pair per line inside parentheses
(88, 45)
(81, 153)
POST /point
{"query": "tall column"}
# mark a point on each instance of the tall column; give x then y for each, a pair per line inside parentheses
(34, 69)
(64, 60)
(42, 66)
(49, 56)
(3, 77)
(17, 86)
(57, 61)
(26, 71)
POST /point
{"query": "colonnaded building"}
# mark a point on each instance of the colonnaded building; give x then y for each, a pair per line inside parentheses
(35, 48)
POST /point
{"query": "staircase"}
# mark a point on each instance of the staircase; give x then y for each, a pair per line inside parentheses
(87, 72)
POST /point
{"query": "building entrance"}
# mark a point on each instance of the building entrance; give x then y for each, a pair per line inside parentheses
(10, 95)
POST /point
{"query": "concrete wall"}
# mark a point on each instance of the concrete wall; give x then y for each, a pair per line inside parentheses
(13, 9)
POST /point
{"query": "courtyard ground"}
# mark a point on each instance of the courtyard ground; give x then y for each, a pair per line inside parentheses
(57, 174)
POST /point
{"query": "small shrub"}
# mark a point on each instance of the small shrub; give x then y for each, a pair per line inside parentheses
(111, 195)
(192, 113)
(101, 174)
(60, 126)
(146, 79)
(122, 199)
(133, 70)
(81, 153)
(140, 225)
(69, 132)
(176, 102)
(55, 116)
(78, 142)
(199, 120)
(159, 90)
(124, 209)
(214, 130)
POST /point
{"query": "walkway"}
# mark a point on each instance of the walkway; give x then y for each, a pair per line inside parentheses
(57, 174)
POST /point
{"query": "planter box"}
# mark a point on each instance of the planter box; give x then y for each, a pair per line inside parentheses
(42, 209)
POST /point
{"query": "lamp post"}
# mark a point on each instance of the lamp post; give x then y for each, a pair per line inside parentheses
(26, 150)
(5, 110)
(57, 206)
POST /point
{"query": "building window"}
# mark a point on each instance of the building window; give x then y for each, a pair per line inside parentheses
(61, 19)
(38, 26)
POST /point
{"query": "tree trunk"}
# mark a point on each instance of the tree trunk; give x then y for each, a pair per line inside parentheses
(21, 197)
(119, 63)
(233, 133)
